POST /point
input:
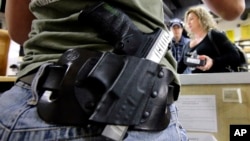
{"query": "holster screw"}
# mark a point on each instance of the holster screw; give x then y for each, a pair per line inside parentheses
(146, 114)
(154, 94)
(161, 74)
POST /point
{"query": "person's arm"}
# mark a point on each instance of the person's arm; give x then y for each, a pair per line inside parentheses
(18, 19)
(227, 9)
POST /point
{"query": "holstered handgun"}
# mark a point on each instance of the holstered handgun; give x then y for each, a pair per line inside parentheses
(124, 87)
(86, 87)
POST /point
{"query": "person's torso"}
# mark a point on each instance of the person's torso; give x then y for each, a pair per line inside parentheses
(205, 47)
(57, 28)
(177, 47)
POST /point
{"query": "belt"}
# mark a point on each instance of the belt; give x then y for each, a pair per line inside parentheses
(28, 78)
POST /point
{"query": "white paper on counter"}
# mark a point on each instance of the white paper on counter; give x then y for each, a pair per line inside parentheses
(201, 137)
(197, 112)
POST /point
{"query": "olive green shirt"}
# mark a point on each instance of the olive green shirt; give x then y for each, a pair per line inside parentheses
(56, 29)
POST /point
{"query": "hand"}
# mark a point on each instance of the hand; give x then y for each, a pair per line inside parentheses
(208, 65)
(234, 8)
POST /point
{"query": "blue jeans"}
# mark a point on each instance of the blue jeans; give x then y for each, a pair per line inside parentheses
(19, 121)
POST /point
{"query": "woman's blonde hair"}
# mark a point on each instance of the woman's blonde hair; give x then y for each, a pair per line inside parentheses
(206, 19)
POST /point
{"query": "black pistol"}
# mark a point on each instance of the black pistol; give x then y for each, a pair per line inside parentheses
(119, 30)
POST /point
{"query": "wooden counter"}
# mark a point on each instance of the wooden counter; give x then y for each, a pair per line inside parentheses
(228, 113)
(7, 78)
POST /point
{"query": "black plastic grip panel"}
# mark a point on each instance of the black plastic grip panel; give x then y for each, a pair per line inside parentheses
(119, 30)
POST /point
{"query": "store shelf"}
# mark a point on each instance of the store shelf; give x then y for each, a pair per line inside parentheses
(246, 49)
(245, 44)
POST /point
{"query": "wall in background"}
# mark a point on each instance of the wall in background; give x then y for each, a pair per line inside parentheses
(233, 25)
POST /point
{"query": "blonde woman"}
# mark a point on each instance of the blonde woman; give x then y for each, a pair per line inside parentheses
(199, 22)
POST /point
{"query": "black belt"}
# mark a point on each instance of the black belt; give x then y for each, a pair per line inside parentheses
(29, 78)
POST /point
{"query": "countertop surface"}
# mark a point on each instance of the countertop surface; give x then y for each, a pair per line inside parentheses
(7, 78)
(216, 78)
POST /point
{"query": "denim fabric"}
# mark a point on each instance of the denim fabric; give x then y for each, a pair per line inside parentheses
(19, 121)
(174, 132)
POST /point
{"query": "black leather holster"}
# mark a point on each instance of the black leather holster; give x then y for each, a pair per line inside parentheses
(88, 87)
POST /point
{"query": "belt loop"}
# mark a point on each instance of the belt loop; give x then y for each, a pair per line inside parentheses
(35, 82)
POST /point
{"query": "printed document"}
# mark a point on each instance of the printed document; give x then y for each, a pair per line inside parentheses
(197, 112)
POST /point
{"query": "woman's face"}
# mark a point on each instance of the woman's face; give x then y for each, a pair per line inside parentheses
(193, 22)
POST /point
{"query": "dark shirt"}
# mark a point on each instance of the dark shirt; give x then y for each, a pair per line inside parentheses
(177, 48)
(228, 56)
